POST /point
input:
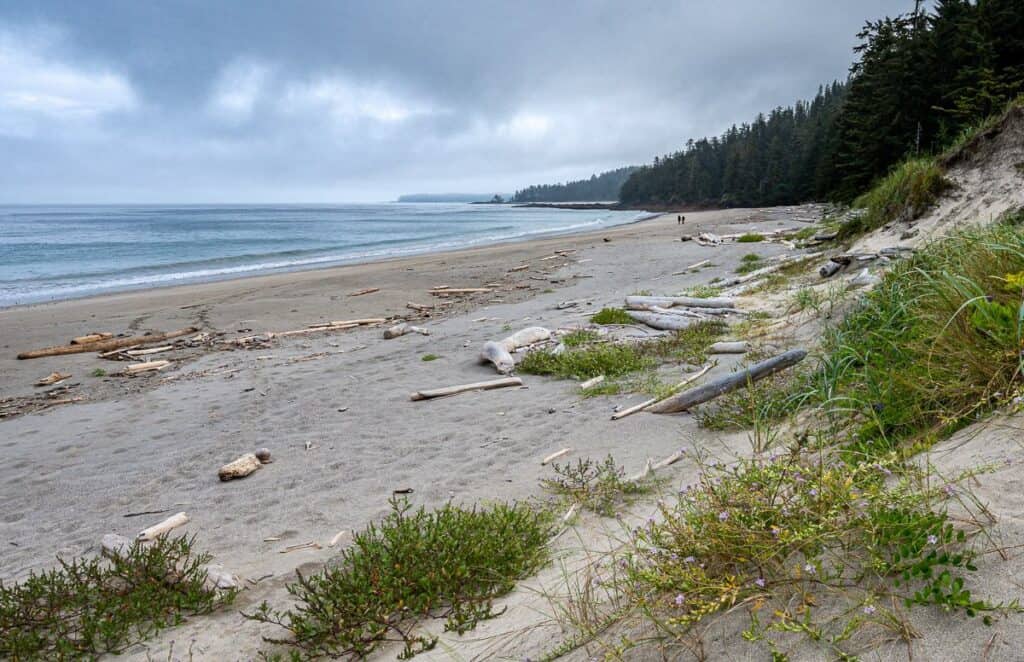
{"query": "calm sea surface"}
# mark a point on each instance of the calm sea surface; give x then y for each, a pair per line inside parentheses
(50, 253)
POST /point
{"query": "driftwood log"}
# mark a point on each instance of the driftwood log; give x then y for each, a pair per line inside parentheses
(148, 366)
(90, 337)
(736, 347)
(239, 468)
(172, 522)
(399, 330)
(106, 345)
(53, 378)
(499, 352)
(830, 269)
(554, 456)
(645, 302)
(476, 386)
(661, 320)
(693, 397)
(647, 403)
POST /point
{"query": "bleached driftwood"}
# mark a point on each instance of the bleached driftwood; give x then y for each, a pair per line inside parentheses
(460, 290)
(172, 522)
(499, 352)
(736, 347)
(239, 468)
(337, 536)
(683, 312)
(554, 456)
(463, 388)
(698, 265)
(569, 514)
(648, 472)
(106, 345)
(830, 268)
(368, 290)
(521, 267)
(647, 403)
(399, 330)
(418, 306)
(594, 381)
(52, 378)
(90, 337)
(671, 459)
(148, 366)
(645, 302)
(661, 321)
(147, 352)
(339, 325)
(756, 372)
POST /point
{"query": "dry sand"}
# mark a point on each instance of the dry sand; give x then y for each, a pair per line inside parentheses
(341, 427)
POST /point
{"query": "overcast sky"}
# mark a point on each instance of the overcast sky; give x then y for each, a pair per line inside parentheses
(216, 101)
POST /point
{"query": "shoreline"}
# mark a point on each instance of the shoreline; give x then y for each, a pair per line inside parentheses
(411, 252)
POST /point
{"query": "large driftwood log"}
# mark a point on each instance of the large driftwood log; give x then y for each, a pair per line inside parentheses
(239, 468)
(647, 403)
(172, 522)
(476, 386)
(90, 337)
(727, 347)
(662, 321)
(106, 345)
(701, 394)
(645, 302)
(499, 352)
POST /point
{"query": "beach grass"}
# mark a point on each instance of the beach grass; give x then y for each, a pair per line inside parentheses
(904, 194)
(611, 316)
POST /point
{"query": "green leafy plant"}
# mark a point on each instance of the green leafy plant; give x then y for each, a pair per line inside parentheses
(98, 372)
(85, 608)
(906, 193)
(429, 357)
(750, 238)
(597, 486)
(449, 563)
(611, 316)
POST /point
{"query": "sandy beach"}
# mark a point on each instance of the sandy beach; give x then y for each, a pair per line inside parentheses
(332, 407)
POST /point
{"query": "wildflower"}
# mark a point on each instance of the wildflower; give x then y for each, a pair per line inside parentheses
(948, 490)
(813, 492)
(760, 582)
(933, 539)
(689, 559)
(776, 531)
(869, 609)
(680, 600)
(810, 569)
(724, 515)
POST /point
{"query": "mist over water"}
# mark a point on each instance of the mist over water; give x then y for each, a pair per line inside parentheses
(50, 253)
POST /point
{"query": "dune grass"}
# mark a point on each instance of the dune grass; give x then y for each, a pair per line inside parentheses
(611, 316)
(89, 607)
(415, 565)
(750, 238)
(904, 194)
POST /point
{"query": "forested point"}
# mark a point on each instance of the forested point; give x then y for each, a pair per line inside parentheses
(920, 80)
(599, 188)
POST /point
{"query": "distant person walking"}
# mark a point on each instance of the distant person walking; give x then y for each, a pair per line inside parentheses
(680, 219)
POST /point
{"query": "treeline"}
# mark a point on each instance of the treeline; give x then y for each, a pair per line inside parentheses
(920, 80)
(599, 188)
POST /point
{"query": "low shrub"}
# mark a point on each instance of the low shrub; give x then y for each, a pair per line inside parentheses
(611, 316)
(600, 487)
(904, 194)
(750, 238)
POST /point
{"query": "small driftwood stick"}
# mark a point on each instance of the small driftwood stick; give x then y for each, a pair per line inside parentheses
(106, 345)
(148, 366)
(671, 459)
(476, 386)
(52, 378)
(758, 371)
(337, 536)
(594, 381)
(647, 403)
(369, 290)
(554, 456)
(90, 337)
(460, 290)
(172, 522)
(239, 468)
(521, 267)
(147, 352)
(645, 302)
(737, 347)
(418, 306)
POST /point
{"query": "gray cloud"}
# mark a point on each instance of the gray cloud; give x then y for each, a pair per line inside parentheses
(334, 101)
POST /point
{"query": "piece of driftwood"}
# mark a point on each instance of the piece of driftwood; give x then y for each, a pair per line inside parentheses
(418, 306)
(661, 320)
(463, 388)
(239, 468)
(172, 522)
(460, 290)
(52, 378)
(593, 381)
(337, 536)
(830, 269)
(106, 345)
(554, 456)
(693, 397)
(735, 347)
(90, 337)
(698, 265)
(569, 514)
(684, 312)
(148, 366)
(399, 330)
(647, 403)
(645, 302)
(499, 352)
(671, 459)
(147, 352)
(645, 474)
(521, 267)
(359, 293)
(312, 544)
(221, 578)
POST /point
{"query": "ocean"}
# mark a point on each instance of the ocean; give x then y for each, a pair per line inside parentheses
(55, 252)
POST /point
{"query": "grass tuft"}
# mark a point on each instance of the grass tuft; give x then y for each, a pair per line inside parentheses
(449, 563)
(750, 238)
(904, 194)
(429, 357)
(611, 316)
(89, 607)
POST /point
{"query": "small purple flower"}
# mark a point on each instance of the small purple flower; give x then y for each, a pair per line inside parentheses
(760, 582)
(724, 515)
(948, 490)
(775, 531)
(813, 492)
(689, 559)
(933, 539)
(869, 609)
(680, 600)
(810, 569)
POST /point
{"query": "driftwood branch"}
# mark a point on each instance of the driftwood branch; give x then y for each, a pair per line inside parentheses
(106, 345)
(399, 330)
(172, 522)
(645, 302)
(756, 372)
(661, 320)
(476, 386)
(499, 352)
(647, 403)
